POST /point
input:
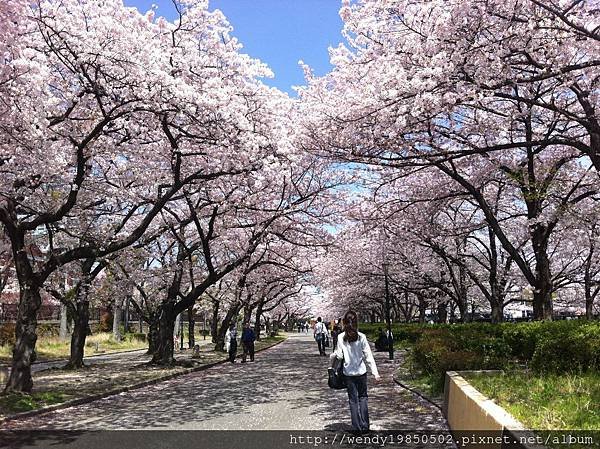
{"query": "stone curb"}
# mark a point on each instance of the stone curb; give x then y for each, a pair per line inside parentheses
(95, 397)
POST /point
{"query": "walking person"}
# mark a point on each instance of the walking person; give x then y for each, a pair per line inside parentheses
(353, 348)
(231, 338)
(320, 333)
(337, 330)
(248, 338)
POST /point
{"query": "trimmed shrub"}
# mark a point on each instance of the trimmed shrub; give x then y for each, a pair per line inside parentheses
(521, 338)
(576, 349)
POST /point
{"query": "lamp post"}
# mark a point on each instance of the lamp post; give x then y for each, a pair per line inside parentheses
(181, 332)
(388, 312)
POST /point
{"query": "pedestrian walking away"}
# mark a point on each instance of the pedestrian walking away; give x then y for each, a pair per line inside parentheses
(337, 330)
(231, 337)
(248, 338)
(353, 348)
(320, 333)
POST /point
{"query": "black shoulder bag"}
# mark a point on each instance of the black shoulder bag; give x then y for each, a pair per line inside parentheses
(336, 375)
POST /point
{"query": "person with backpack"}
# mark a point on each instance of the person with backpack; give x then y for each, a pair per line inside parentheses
(353, 348)
(320, 333)
(248, 338)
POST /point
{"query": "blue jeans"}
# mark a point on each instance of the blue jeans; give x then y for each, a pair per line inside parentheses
(321, 343)
(357, 397)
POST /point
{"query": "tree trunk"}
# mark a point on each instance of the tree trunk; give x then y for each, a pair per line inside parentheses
(442, 315)
(542, 292)
(117, 321)
(588, 287)
(214, 324)
(153, 326)
(24, 353)
(191, 328)
(126, 314)
(247, 313)
(422, 308)
(268, 327)
(231, 313)
(163, 354)
(64, 323)
(78, 337)
(497, 311)
(259, 310)
(463, 295)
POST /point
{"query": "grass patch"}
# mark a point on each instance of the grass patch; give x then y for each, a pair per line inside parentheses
(546, 402)
(410, 375)
(49, 348)
(16, 403)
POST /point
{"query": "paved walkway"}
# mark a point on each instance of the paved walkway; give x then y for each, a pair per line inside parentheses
(286, 389)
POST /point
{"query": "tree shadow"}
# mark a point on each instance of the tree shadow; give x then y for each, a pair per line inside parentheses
(284, 389)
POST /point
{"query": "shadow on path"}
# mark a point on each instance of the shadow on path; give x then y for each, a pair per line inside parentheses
(285, 388)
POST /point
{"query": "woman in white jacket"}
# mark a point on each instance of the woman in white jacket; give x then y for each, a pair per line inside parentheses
(354, 349)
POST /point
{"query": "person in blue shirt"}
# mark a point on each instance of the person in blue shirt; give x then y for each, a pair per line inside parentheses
(248, 338)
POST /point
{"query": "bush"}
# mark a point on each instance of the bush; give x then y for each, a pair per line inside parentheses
(521, 338)
(136, 336)
(48, 330)
(457, 349)
(576, 349)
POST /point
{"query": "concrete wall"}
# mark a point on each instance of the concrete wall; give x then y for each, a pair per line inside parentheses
(468, 411)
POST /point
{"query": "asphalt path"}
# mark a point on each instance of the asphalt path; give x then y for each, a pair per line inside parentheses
(284, 389)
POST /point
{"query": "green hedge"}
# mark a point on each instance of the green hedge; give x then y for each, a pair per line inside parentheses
(557, 347)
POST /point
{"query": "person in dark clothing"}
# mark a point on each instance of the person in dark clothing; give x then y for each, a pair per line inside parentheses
(381, 344)
(337, 330)
(248, 338)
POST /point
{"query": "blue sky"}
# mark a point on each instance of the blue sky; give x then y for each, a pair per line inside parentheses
(278, 32)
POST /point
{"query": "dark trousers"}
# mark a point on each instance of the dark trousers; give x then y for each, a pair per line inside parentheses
(232, 350)
(321, 343)
(248, 350)
(357, 397)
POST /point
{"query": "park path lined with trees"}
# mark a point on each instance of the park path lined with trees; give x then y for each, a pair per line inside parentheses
(285, 389)
(447, 164)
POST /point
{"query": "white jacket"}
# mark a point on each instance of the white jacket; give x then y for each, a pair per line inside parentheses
(357, 355)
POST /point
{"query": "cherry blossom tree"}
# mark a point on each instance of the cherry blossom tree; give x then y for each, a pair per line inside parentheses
(110, 119)
(469, 88)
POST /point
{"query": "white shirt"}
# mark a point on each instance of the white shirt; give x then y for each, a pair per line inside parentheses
(355, 355)
(320, 328)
